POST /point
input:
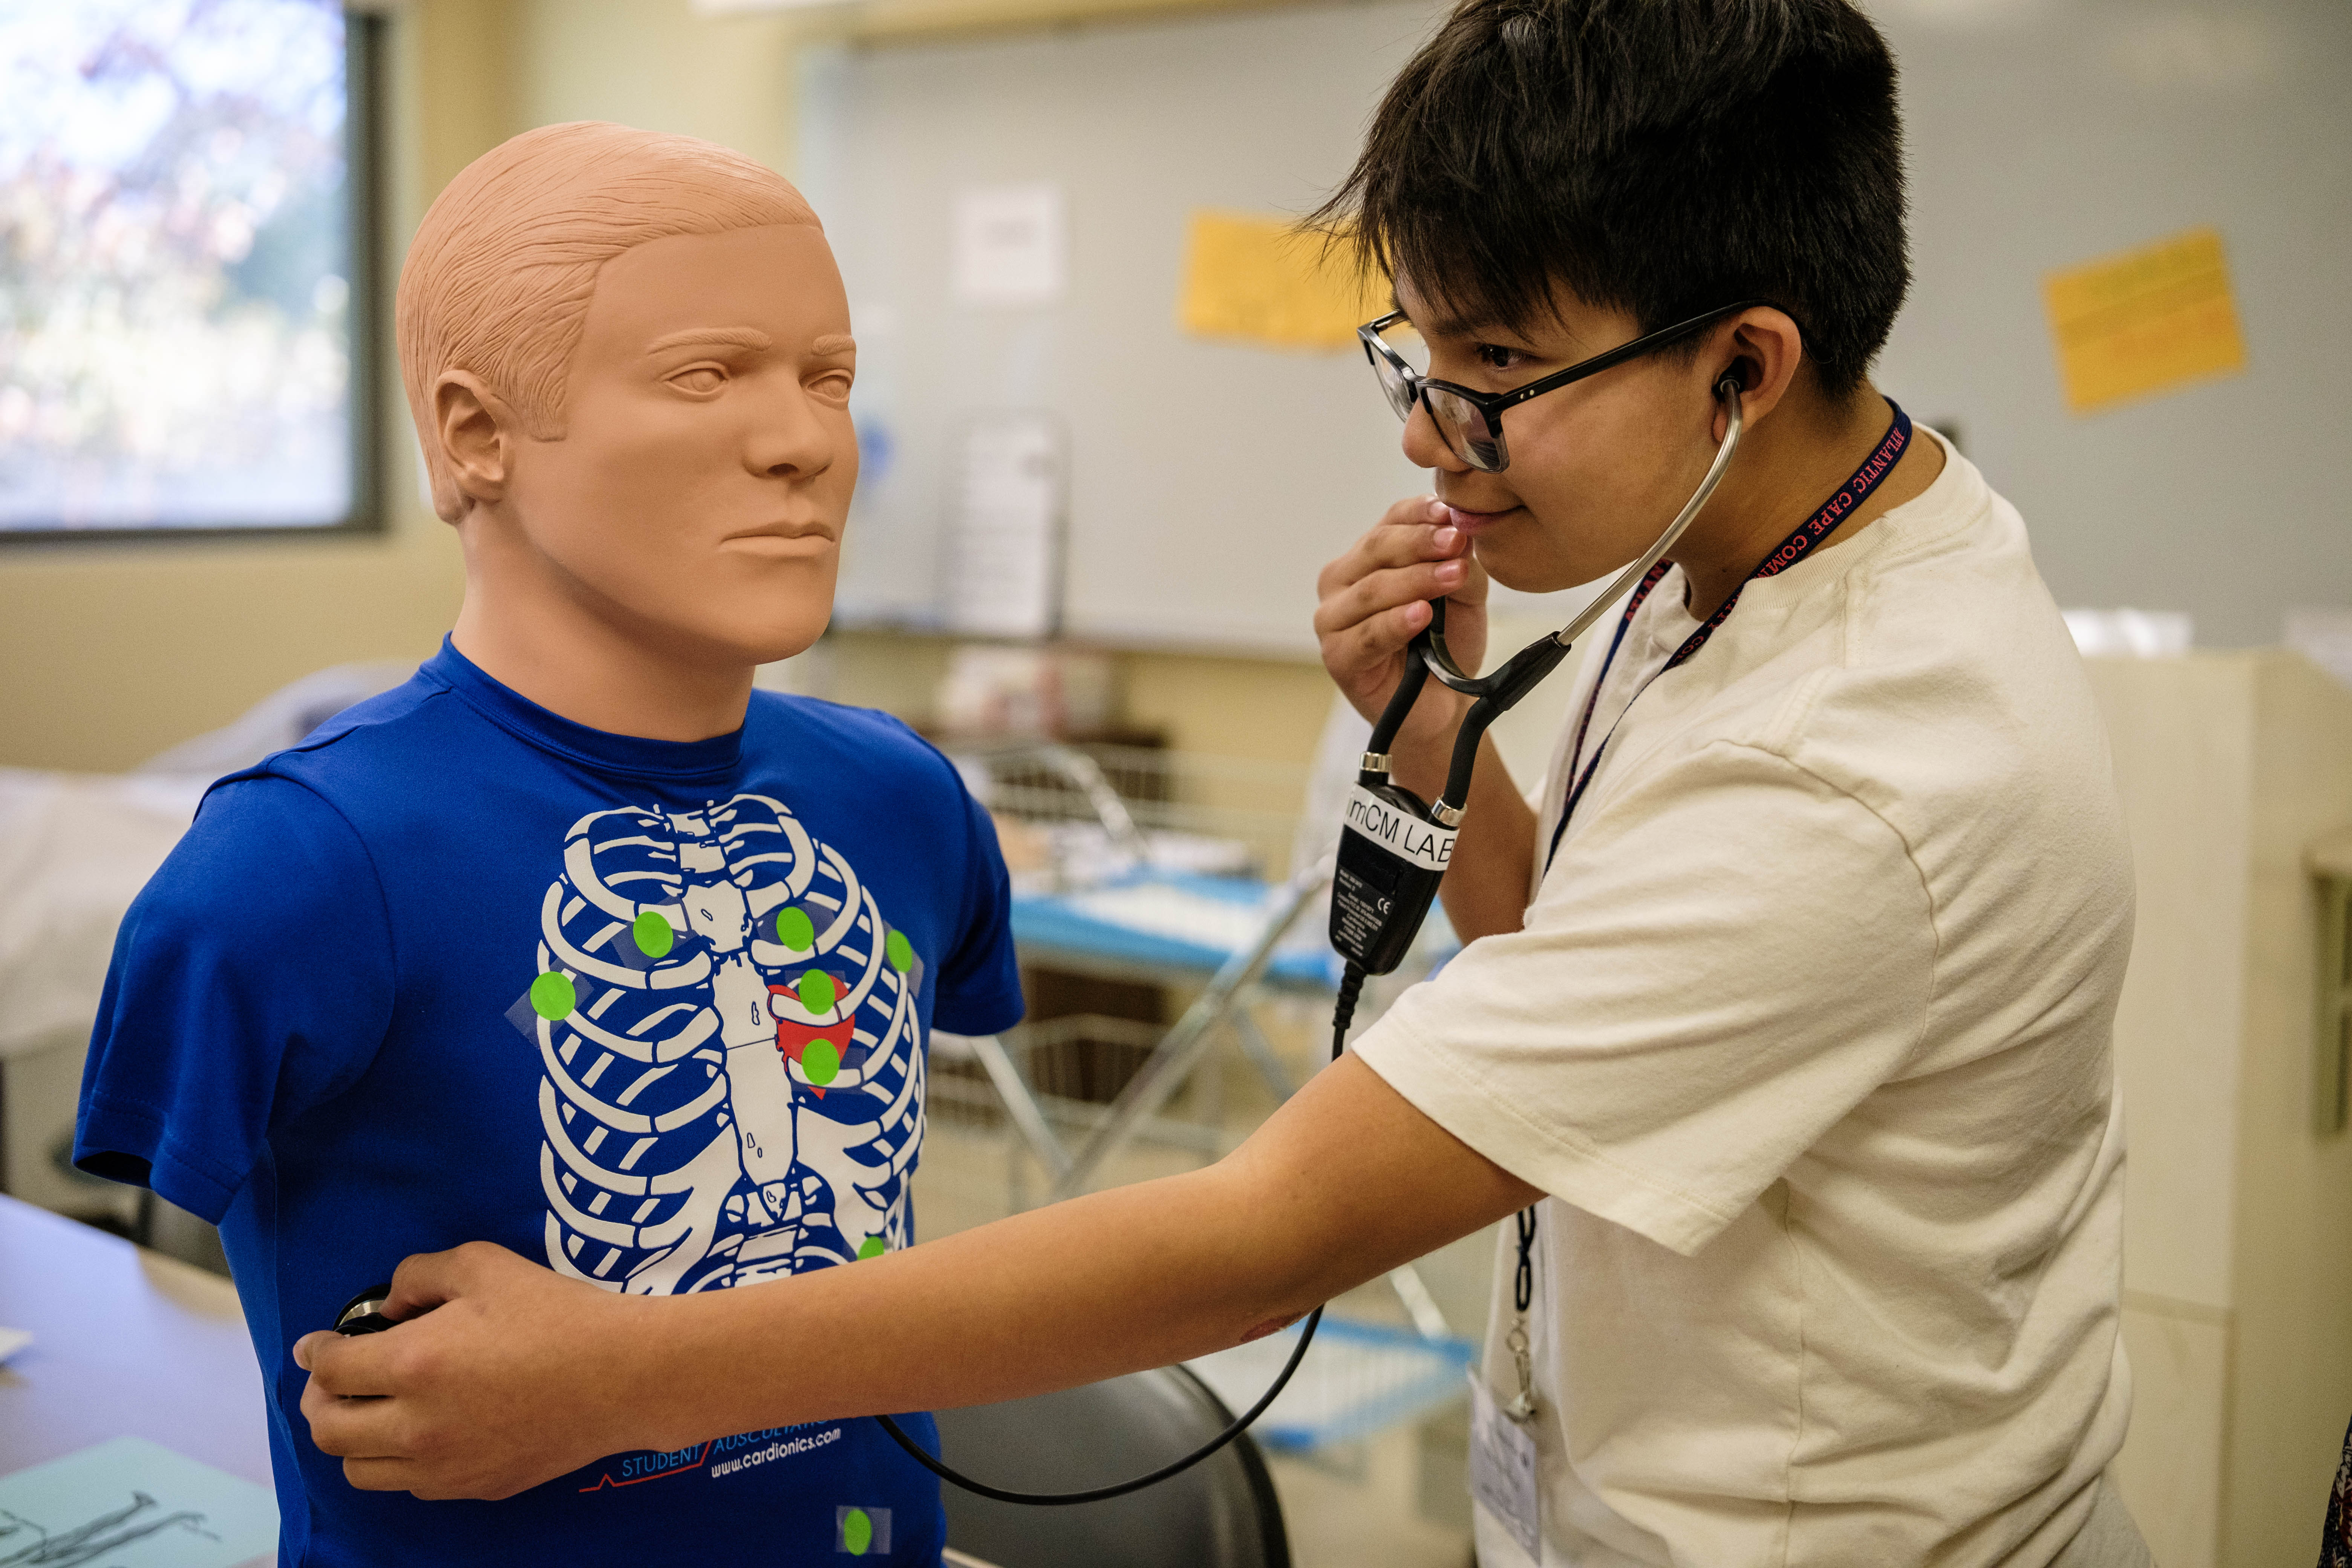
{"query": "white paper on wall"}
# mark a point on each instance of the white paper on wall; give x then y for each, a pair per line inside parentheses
(1011, 244)
(1004, 541)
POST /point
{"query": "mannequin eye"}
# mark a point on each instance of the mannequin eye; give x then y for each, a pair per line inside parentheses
(700, 378)
(833, 387)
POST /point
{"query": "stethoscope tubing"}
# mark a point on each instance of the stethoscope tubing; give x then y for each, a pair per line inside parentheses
(1441, 662)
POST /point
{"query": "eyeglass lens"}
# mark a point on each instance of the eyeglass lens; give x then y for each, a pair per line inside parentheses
(1465, 430)
(1394, 386)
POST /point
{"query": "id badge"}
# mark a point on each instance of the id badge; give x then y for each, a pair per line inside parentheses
(1503, 1469)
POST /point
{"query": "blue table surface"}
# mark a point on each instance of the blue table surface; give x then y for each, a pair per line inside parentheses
(1055, 920)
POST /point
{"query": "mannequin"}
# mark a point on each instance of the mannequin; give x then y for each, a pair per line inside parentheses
(575, 941)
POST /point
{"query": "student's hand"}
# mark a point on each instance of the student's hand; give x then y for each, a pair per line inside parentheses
(498, 1375)
(1373, 600)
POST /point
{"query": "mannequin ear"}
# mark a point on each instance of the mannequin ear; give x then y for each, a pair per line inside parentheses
(476, 432)
(1762, 347)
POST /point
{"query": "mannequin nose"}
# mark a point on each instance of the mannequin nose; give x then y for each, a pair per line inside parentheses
(789, 439)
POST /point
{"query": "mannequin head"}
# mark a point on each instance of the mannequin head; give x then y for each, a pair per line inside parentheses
(628, 360)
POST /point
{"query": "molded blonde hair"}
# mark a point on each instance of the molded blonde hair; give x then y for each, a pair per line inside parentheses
(499, 275)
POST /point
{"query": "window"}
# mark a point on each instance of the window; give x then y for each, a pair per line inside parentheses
(184, 289)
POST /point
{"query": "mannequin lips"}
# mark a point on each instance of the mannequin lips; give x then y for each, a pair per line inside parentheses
(784, 539)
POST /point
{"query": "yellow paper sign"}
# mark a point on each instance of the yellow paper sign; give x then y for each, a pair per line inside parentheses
(1258, 279)
(2144, 321)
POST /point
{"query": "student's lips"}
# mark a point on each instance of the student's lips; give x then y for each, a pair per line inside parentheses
(1473, 523)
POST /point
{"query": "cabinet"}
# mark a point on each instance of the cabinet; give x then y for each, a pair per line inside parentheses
(2238, 1230)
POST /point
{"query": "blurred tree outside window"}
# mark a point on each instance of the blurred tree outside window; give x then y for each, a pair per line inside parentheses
(177, 224)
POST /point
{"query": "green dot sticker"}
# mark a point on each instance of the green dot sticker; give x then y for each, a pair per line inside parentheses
(900, 952)
(821, 1061)
(552, 998)
(857, 1531)
(655, 938)
(872, 1246)
(817, 991)
(795, 930)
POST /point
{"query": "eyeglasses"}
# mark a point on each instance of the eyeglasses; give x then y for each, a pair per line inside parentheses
(1471, 423)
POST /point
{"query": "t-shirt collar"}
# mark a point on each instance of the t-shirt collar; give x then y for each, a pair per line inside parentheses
(685, 761)
(1667, 620)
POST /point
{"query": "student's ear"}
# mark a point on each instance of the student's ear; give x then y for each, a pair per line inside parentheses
(1762, 347)
(478, 431)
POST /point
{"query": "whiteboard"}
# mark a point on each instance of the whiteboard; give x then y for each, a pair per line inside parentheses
(2042, 133)
(1208, 482)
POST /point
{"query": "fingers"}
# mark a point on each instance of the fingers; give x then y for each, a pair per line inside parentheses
(1408, 533)
(357, 1366)
(1370, 645)
(428, 1279)
(1389, 589)
(384, 1474)
(351, 1427)
(422, 1281)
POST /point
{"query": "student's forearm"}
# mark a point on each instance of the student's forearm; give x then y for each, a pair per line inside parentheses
(1108, 1284)
(500, 1376)
(1332, 1192)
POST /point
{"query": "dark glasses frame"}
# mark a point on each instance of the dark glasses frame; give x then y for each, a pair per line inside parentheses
(1405, 386)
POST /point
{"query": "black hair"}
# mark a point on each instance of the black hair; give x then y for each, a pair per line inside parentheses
(1664, 157)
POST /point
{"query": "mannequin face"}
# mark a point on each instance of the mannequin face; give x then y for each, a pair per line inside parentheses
(696, 498)
(1597, 467)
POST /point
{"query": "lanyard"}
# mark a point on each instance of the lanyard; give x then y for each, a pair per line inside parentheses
(1792, 549)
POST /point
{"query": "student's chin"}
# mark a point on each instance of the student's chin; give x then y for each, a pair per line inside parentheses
(1512, 570)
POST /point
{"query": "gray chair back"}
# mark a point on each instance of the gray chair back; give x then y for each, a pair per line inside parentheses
(1221, 1513)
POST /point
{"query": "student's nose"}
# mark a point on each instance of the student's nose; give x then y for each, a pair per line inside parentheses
(1425, 447)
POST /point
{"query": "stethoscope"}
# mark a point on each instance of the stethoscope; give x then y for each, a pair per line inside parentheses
(1371, 930)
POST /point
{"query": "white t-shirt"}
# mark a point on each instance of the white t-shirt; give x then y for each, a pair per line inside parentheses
(1807, 1037)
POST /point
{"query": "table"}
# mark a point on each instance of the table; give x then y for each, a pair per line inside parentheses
(126, 1342)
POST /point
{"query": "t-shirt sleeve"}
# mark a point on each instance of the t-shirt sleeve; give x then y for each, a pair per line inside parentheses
(252, 979)
(979, 979)
(1716, 969)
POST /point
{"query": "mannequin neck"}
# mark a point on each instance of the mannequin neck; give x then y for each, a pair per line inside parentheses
(540, 631)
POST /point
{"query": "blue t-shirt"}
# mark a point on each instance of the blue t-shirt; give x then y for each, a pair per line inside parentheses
(649, 1013)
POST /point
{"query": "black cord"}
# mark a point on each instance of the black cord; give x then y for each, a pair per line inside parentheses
(1342, 1013)
(1523, 1283)
(1120, 1489)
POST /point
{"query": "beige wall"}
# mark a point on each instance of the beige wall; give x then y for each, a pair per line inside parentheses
(655, 65)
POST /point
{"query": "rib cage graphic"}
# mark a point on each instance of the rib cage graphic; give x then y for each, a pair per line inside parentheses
(684, 1146)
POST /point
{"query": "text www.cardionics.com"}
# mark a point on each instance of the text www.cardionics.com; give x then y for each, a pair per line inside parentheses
(779, 1451)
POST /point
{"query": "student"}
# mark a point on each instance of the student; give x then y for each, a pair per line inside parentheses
(575, 941)
(1795, 1032)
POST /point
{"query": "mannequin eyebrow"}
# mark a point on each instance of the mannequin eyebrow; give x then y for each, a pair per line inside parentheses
(722, 337)
(834, 343)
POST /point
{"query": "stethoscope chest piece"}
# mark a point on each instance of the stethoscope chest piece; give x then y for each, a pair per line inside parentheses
(363, 1314)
